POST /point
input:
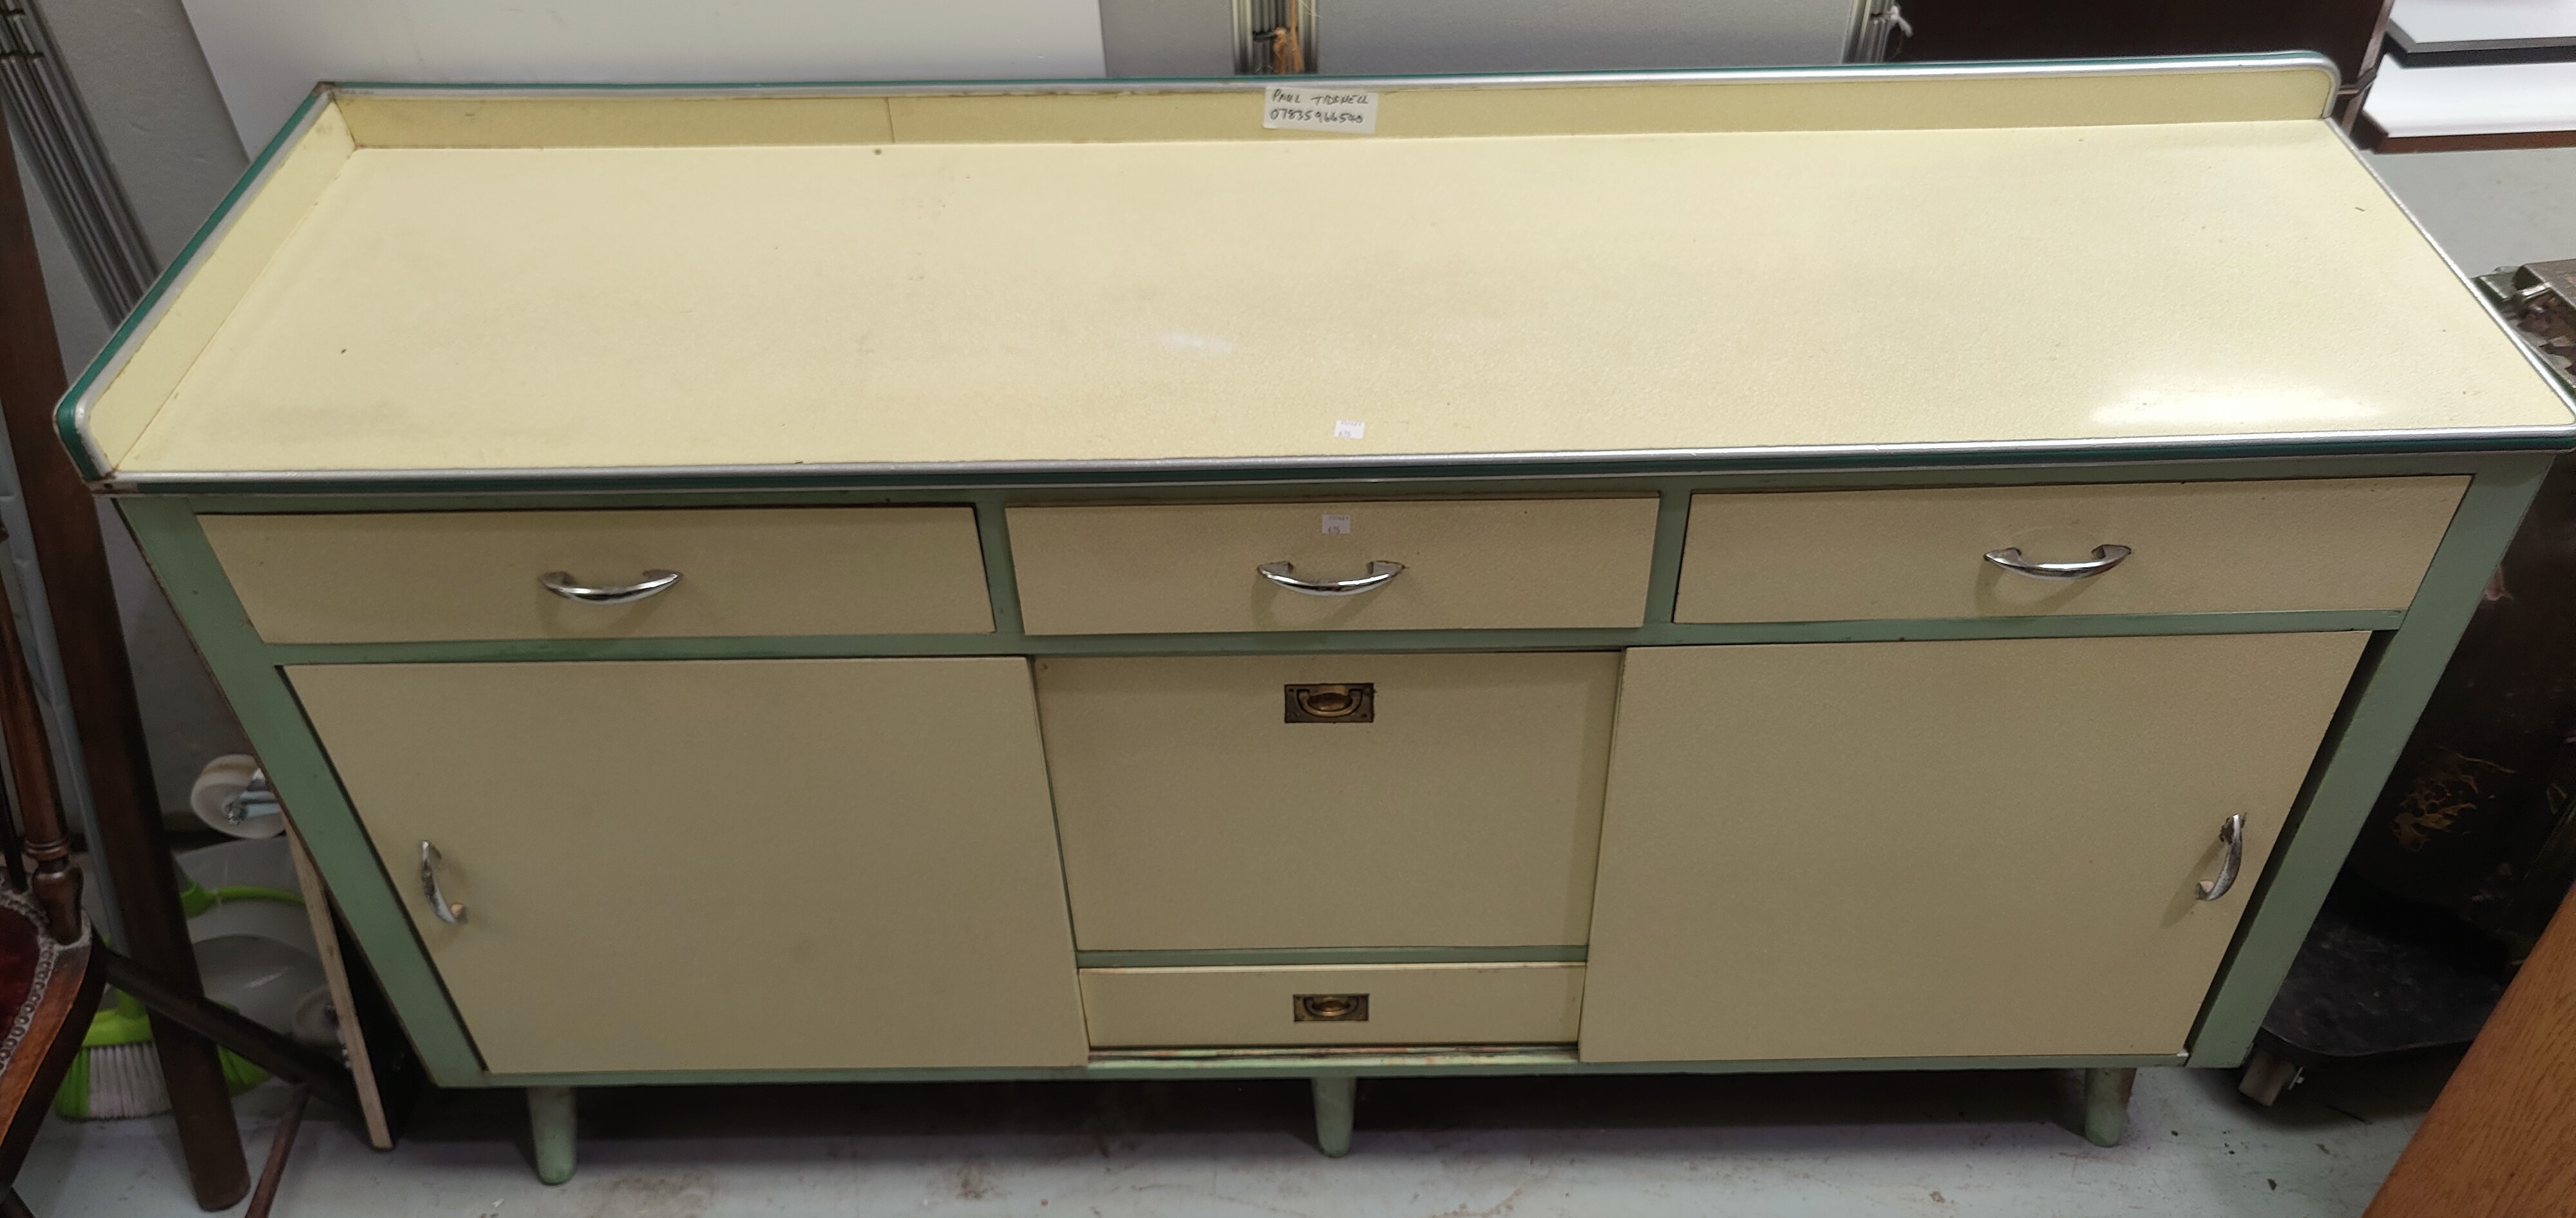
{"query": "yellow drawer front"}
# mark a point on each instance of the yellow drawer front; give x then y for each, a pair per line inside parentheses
(1467, 564)
(427, 576)
(1195, 814)
(2194, 547)
(1372, 1004)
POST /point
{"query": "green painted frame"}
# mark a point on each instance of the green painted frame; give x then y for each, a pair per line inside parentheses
(2408, 653)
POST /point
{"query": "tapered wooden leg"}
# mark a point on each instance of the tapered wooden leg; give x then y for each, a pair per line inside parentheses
(2106, 1104)
(1335, 1102)
(550, 1126)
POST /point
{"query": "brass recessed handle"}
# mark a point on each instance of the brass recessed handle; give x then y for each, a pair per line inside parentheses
(1332, 1008)
(1346, 702)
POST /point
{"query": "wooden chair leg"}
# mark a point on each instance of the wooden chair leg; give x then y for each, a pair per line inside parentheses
(274, 1172)
(71, 557)
(12, 1207)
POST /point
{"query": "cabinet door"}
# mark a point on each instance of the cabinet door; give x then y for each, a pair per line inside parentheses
(1952, 849)
(721, 865)
(1201, 810)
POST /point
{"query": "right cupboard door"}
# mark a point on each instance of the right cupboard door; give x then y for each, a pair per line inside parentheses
(1938, 849)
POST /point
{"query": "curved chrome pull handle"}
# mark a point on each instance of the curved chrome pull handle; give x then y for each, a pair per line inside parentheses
(2232, 836)
(560, 583)
(2104, 558)
(1285, 575)
(448, 911)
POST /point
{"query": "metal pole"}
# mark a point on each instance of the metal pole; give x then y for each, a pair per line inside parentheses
(64, 150)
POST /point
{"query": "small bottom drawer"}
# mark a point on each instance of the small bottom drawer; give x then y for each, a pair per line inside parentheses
(1334, 1004)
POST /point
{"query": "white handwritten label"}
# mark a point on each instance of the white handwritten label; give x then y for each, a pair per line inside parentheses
(1290, 109)
(1337, 524)
(1349, 429)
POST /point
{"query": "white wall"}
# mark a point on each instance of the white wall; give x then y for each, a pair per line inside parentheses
(1404, 37)
(267, 54)
(171, 145)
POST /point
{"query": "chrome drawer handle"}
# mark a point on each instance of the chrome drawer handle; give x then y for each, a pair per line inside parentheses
(448, 911)
(560, 583)
(2232, 836)
(1285, 575)
(2104, 558)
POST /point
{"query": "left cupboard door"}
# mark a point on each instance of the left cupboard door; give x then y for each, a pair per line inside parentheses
(721, 864)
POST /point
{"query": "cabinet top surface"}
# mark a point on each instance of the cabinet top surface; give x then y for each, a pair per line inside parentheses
(455, 282)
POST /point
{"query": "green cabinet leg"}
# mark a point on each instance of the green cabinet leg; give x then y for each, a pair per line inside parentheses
(550, 1126)
(1335, 1096)
(2106, 1104)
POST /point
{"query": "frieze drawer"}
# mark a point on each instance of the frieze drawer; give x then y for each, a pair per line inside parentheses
(1375, 1004)
(1969, 552)
(428, 576)
(1456, 564)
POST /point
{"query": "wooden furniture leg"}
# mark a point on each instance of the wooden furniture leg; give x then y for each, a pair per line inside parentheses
(49, 1034)
(72, 557)
(264, 1197)
(1336, 1102)
(2106, 1104)
(550, 1128)
(2501, 1140)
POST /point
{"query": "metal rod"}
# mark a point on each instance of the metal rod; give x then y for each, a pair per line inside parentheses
(72, 163)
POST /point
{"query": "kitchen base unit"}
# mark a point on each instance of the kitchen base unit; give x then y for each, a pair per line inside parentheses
(1840, 569)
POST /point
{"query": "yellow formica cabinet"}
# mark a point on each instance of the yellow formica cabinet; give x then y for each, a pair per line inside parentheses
(1914, 567)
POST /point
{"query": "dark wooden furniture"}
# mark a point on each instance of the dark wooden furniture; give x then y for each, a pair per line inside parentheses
(72, 557)
(50, 973)
(2372, 136)
(2347, 31)
(2501, 1142)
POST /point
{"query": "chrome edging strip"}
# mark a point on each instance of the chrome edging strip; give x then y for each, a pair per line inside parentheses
(2181, 447)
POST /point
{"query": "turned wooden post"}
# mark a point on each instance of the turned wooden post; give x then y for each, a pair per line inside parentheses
(51, 880)
(71, 555)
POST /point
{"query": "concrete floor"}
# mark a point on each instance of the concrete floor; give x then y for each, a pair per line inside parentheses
(1986, 1143)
